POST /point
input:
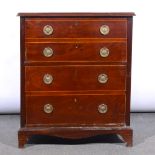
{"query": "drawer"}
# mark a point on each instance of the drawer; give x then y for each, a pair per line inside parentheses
(55, 52)
(75, 28)
(75, 77)
(76, 110)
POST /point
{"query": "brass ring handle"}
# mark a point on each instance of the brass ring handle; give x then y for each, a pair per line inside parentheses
(102, 108)
(48, 108)
(103, 78)
(47, 79)
(104, 52)
(104, 29)
(47, 30)
(47, 52)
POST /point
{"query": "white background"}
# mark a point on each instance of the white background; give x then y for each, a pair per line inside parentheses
(143, 72)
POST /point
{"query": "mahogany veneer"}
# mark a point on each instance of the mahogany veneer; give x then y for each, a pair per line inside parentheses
(75, 75)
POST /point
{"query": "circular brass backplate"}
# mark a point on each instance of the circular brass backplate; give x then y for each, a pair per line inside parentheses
(104, 29)
(48, 108)
(103, 78)
(47, 79)
(102, 108)
(104, 52)
(48, 30)
(47, 52)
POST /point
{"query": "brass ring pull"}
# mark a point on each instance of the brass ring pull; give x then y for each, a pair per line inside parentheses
(102, 108)
(48, 108)
(104, 52)
(48, 30)
(103, 78)
(47, 79)
(104, 29)
(47, 52)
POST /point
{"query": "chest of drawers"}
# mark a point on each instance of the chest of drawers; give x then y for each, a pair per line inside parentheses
(75, 75)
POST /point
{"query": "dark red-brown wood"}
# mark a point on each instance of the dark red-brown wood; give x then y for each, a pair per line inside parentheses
(75, 78)
(75, 92)
(74, 133)
(22, 72)
(69, 51)
(128, 78)
(77, 14)
(75, 110)
(75, 28)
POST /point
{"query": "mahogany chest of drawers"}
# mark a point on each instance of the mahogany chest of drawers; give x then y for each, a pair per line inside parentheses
(75, 75)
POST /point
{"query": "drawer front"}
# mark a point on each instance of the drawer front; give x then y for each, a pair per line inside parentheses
(75, 28)
(76, 110)
(66, 78)
(55, 52)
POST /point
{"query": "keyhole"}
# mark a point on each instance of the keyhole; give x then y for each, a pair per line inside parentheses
(76, 46)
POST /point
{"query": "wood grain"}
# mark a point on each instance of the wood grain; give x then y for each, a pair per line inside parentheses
(75, 110)
(75, 78)
(75, 28)
(76, 52)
